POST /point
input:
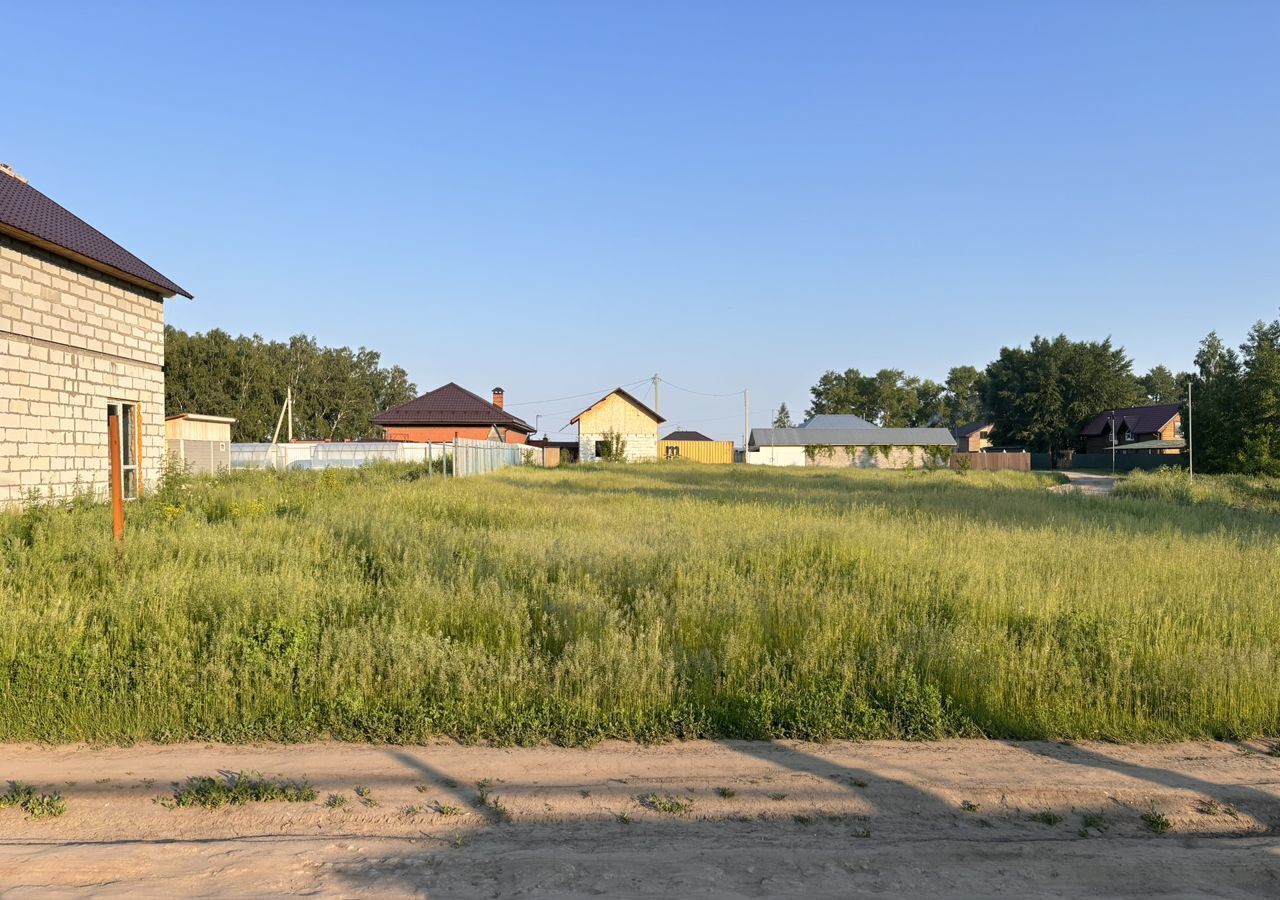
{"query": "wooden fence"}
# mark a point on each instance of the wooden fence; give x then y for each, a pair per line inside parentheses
(992, 462)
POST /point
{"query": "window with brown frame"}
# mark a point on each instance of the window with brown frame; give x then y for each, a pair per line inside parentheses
(130, 446)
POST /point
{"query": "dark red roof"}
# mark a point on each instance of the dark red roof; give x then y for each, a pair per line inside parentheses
(30, 215)
(686, 436)
(1138, 419)
(450, 405)
(625, 396)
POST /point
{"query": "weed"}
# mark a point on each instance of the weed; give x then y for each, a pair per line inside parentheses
(801, 819)
(726, 792)
(668, 803)
(420, 788)
(777, 796)
(970, 806)
(245, 787)
(483, 788)
(36, 806)
(336, 801)
(857, 782)
(860, 833)
(367, 799)
(445, 809)
(45, 806)
(500, 811)
(1094, 822)
(1211, 807)
(584, 794)
(623, 818)
(1156, 821)
(19, 793)
(1046, 817)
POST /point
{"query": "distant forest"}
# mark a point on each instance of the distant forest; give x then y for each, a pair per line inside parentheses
(336, 390)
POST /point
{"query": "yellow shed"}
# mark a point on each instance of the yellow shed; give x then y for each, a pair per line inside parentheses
(202, 443)
(622, 414)
(695, 447)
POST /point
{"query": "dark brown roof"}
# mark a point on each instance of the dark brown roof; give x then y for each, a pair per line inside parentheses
(1138, 419)
(30, 216)
(966, 430)
(686, 436)
(625, 396)
(450, 405)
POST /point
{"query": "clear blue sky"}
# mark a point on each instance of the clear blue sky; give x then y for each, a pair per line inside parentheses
(560, 197)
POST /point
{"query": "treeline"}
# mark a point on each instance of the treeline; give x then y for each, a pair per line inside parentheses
(1042, 395)
(336, 390)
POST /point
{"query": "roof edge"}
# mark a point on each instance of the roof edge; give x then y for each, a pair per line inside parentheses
(91, 263)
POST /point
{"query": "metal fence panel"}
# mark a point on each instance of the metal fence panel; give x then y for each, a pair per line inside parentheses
(460, 457)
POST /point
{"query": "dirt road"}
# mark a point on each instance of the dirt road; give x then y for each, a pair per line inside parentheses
(1087, 483)
(951, 819)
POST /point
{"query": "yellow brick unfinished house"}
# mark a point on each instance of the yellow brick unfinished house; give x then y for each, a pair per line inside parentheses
(81, 336)
(622, 415)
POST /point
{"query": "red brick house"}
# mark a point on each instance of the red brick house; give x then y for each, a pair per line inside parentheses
(1135, 425)
(453, 411)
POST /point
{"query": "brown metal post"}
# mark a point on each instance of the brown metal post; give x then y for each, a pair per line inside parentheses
(117, 477)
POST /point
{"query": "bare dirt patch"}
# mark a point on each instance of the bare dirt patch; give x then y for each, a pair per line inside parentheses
(713, 819)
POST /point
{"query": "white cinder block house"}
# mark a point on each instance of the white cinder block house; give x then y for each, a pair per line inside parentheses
(620, 413)
(836, 441)
(81, 335)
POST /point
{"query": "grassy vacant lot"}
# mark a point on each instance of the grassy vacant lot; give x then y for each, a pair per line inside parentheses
(641, 602)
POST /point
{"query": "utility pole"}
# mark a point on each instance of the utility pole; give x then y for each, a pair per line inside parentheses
(1113, 441)
(746, 423)
(288, 398)
(656, 379)
(1191, 450)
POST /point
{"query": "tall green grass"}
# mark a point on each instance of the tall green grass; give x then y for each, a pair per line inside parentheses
(639, 602)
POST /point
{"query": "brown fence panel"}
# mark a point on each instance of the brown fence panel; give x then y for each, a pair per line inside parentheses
(992, 462)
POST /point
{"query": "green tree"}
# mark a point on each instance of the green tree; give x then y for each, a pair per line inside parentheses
(1041, 396)
(783, 417)
(1259, 427)
(1216, 406)
(336, 390)
(889, 397)
(962, 397)
(1160, 386)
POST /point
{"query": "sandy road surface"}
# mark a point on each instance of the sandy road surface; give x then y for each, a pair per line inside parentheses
(953, 818)
(1087, 483)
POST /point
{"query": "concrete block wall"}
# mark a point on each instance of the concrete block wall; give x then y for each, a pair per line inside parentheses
(639, 448)
(872, 458)
(71, 340)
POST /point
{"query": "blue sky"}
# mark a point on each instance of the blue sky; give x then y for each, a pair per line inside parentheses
(562, 197)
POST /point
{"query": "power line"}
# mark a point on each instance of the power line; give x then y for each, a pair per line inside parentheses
(701, 393)
(576, 396)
